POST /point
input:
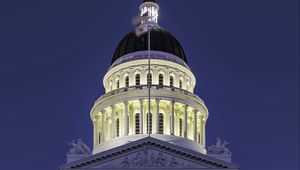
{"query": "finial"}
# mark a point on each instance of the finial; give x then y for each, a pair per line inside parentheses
(149, 8)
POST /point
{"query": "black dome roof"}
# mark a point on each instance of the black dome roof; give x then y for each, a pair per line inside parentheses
(149, 1)
(161, 40)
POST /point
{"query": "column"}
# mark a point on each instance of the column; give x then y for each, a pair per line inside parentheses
(103, 126)
(113, 134)
(141, 117)
(157, 116)
(195, 125)
(125, 118)
(185, 122)
(95, 131)
(131, 120)
(201, 130)
(203, 134)
(172, 118)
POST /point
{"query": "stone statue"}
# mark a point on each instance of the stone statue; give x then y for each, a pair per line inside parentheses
(218, 143)
(125, 163)
(78, 148)
(174, 163)
(137, 161)
(220, 147)
(160, 160)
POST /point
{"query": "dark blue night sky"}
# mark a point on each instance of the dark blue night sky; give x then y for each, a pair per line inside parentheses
(244, 54)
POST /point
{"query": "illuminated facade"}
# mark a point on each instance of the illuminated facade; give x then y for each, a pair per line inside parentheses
(175, 110)
(177, 116)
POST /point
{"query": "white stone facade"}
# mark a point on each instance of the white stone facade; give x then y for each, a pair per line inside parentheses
(175, 109)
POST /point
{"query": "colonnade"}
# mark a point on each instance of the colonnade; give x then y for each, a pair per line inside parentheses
(170, 77)
(178, 119)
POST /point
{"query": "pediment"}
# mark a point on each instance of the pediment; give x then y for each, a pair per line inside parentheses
(149, 153)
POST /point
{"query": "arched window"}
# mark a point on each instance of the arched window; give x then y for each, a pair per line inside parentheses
(150, 123)
(180, 84)
(161, 124)
(149, 77)
(180, 127)
(118, 84)
(171, 81)
(118, 127)
(137, 79)
(127, 81)
(137, 123)
(161, 79)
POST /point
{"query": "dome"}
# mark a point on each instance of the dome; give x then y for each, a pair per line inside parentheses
(149, 1)
(161, 40)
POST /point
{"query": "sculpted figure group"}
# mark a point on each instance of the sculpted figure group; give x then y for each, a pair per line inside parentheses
(78, 148)
(219, 148)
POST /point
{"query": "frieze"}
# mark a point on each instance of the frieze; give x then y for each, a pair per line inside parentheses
(150, 158)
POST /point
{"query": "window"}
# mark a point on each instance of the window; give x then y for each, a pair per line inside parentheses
(118, 127)
(150, 123)
(118, 84)
(180, 127)
(137, 79)
(161, 79)
(137, 123)
(149, 77)
(180, 84)
(127, 81)
(99, 138)
(161, 124)
(171, 81)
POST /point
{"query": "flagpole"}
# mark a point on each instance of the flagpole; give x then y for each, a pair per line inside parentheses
(149, 73)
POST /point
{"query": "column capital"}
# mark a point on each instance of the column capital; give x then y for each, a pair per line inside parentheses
(186, 107)
(202, 117)
(113, 107)
(141, 101)
(97, 117)
(157, 100)
(172, 101)
(125, 103)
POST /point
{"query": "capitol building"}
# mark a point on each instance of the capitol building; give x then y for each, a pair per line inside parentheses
(149, 117)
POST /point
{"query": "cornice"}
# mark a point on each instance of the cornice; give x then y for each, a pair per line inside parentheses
(150, 142)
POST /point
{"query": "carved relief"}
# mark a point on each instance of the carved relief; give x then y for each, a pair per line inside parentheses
(149, 158)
